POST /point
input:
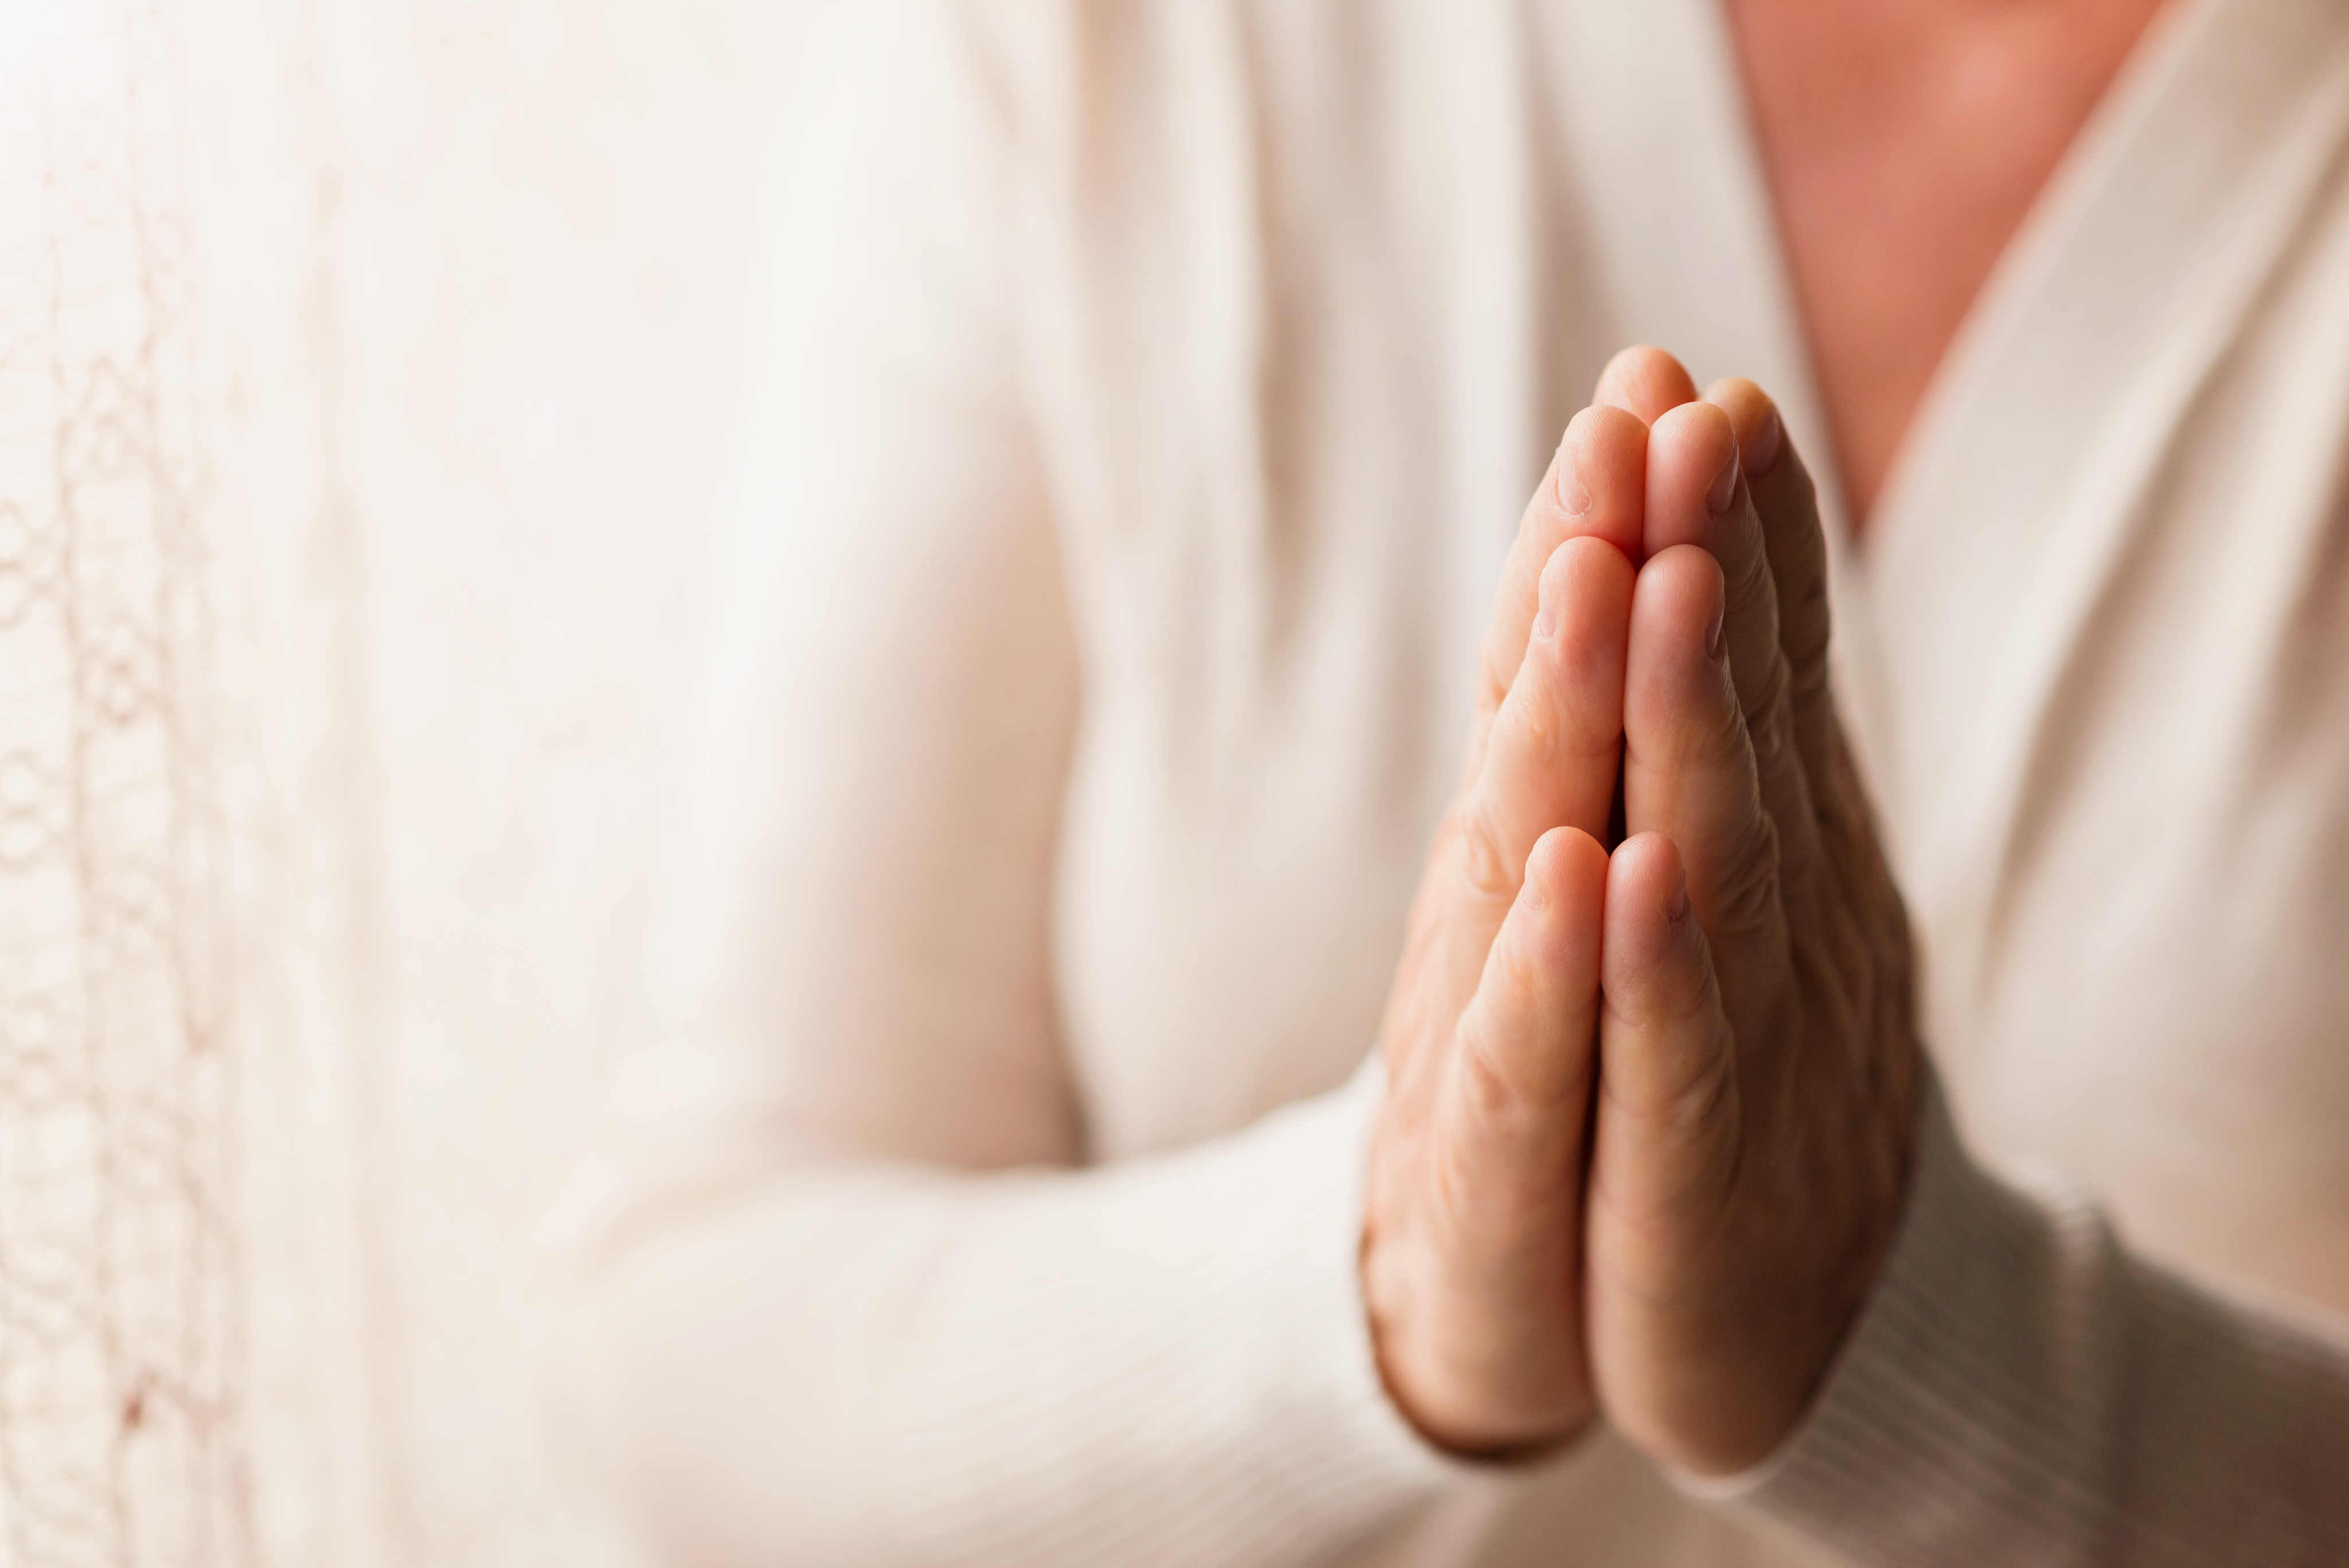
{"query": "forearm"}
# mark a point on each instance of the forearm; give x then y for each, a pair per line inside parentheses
(1163, 1362)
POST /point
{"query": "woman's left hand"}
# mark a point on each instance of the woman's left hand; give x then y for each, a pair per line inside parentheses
(1759, 1063)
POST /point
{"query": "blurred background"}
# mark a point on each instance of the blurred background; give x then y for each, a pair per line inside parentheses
(365, 390)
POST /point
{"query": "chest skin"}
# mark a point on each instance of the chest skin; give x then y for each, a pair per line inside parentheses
(1904, 145)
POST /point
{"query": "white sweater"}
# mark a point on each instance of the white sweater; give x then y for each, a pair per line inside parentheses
(1150, 391)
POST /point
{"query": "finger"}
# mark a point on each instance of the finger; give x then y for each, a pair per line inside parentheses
(1556, 745)
(1786, 504)
(1688, 774)
(1754, 419)
(1595, 488)
(1697, 495)
(1511, 1114)
(1645, 380)
(1513, 1103)
(1666, 1150)
(1670, 1106)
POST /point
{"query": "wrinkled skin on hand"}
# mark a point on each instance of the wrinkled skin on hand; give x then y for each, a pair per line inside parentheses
(1651, 1105)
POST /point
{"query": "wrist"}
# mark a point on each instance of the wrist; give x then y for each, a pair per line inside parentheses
(1465, 1395)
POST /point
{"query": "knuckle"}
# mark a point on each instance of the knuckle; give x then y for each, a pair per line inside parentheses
(1745, 898)
(1675, 999)
(1495, 671)
(1485, 865)
(1706, 1090)
(1721, 739)
(1530, 726)
(1752, 592)
(1694, 1103)
(1482, 1082)
(1805, 614)
(1769, 718)
(1515, 1126)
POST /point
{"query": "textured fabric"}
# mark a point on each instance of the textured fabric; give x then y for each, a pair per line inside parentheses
(2023, 1390)
(1150, 392)
(940, 1408)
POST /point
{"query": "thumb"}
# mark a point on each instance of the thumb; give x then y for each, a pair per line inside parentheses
(1665, 1145)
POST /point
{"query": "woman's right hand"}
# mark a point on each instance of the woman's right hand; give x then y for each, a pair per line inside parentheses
(1473, 1231)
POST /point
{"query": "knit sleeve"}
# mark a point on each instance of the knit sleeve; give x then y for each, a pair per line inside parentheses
(841, 1288)
(1162, 1362)
(2023, 1390)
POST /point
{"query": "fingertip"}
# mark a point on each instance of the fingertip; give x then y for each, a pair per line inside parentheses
(1596, 488)
(1754, 418)
(1600, 477)
(1580, 649)
(1692, 474)
(1651, 938)
(1562, 908)
(1679, 705)
(1670, 1110)
(1568, 866)
(1644, 381)
(1587, 582)
(1681, 596)
(1709, 419)
(1646, 874)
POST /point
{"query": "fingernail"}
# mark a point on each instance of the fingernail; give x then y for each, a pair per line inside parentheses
(1544, 627)
(1763, 450)
(1572, 497)
(1676, 907)
(1712, 632)
(1724, 486)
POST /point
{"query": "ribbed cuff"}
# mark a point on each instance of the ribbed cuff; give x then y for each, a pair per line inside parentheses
(2023, 1389)
(1185, 1374)
(1933, 1430)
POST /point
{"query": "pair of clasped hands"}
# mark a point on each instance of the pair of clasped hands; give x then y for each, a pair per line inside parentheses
(1652, 1077)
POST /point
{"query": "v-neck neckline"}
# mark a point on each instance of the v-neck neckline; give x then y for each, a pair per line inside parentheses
(2036, 247)
(1651, 106)
(1684, 230)
(2029, 468)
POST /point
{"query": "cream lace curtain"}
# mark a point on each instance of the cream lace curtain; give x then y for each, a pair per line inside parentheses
(364, 392)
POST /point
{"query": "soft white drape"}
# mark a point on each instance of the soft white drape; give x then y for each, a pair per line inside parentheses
(364, 379)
